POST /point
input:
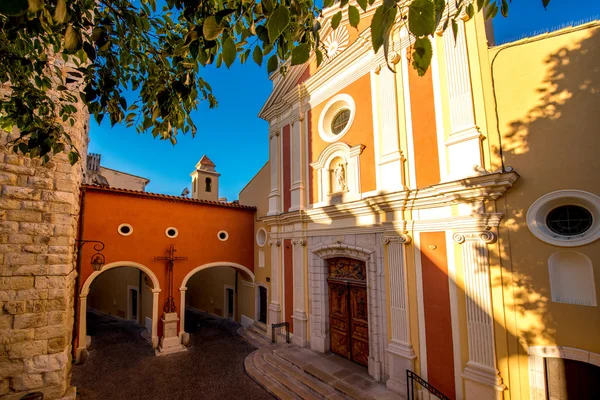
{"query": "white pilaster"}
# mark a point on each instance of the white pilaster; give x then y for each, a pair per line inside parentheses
(275, 305)
(464, 142)
(299, 315)
(482, 377)
(298, 156)
(400, 350)
(274, 160)
(390, 161)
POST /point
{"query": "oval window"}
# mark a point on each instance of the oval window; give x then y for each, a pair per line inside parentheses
(340, 121)
(569, 220)
(125, 229)
(222, 235)
(171, 232)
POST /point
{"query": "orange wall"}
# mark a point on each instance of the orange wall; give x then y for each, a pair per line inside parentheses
(361, 132)
(427, 164)
(287, 195)
(198, 226)
(288, 283)
(436, 304)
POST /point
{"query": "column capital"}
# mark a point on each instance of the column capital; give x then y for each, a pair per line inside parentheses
(274, 242)
(484, 236)
(274, 130)
(395, 237)
(299, 241)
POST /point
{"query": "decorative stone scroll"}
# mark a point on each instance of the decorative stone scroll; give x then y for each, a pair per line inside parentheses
(481, 367)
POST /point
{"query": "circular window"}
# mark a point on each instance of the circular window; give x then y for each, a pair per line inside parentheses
(261, 237)
(565, 218)
(336, 118)
(570, 220)
(171, 232)
(125, 229)
(340, 121)
(223, 236)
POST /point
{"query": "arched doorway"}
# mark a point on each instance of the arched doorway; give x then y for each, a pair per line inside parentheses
(227, 304)
(83, 303)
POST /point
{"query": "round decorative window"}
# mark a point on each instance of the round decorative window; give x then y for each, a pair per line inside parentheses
(565, 218)
(125, 229)
(171, 232)
(340, 121)
(223, 235)
(336, 118)
(261, 237)
(569, 220)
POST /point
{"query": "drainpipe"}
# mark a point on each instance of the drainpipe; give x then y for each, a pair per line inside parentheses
(78, 273)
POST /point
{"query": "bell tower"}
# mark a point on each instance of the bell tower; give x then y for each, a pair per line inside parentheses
(205, 180)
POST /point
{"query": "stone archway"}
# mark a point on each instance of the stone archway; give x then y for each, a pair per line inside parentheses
(85, 290)
(183, 288)
(319, 313)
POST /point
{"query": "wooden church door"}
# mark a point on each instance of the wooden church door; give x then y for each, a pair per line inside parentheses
(348, 309)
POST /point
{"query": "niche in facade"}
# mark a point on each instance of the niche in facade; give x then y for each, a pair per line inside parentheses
(572, 278)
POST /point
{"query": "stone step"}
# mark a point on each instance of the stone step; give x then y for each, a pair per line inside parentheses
(318, 387)
(272, 386)
(293, 385)
(252, 338)
(324, 377)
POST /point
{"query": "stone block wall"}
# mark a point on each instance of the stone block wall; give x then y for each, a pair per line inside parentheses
(39, 210)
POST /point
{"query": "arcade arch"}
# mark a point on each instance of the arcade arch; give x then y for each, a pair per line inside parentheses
(83, 300)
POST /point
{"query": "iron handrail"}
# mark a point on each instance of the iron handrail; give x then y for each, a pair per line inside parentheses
(279, 325)
(411, 378)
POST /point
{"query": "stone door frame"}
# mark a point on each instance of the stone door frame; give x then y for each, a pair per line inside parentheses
(257, 287)
(85, 290)
(319, 301)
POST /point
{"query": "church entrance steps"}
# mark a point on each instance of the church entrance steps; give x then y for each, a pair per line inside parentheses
(254, 336)
(309, 375)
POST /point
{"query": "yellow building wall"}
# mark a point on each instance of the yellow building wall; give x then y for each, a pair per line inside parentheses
(109, 293)
(256, 193)
(547, 99)
(206, 290)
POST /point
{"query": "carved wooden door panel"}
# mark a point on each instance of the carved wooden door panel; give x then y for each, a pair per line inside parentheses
(338, 319)
(348, 309)
(359, 324)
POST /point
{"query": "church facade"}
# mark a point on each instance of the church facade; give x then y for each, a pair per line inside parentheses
(423, 223)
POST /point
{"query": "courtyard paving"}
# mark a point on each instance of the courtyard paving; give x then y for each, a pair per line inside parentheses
(122, 365)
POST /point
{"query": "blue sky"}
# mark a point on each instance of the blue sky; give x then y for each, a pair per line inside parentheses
(237, 140)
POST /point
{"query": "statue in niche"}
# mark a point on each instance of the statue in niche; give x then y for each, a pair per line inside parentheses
(339, 174)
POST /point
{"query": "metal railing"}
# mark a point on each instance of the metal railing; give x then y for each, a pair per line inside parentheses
(412, 378)
(279, 325)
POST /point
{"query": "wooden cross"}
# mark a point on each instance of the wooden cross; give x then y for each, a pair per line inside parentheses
(170, 304)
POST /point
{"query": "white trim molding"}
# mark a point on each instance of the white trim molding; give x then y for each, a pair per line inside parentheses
(539, 209)
(481, 373)
(125, 226)
(171, 236)
(261, 242)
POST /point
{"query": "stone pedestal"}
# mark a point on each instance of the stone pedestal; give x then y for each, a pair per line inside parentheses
(170, 342)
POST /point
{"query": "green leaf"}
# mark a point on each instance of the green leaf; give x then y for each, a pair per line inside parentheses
(363, 4)
(380, 26)
(257, 55)
(272, 64)
(73, 157)
(277, 22)
(327, 3)
(60, 13)
(545, 3)
(421, 17)
(300, 54)
(335, 20)
(504, 8)
(211, 30)
(72, 39)
(319, 55)
(440, 6)
(229, 52)
(354, 16)
(471, 10)
(491, 11)
(13, 8)
(454, 29)
(422, 55)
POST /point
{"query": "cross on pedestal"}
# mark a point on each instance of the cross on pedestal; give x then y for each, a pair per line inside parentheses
(170, 304)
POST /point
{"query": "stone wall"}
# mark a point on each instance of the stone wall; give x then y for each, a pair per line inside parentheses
(39, 210)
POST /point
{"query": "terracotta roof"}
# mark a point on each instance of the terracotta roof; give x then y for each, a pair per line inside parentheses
(166, 197)
(206, 161)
